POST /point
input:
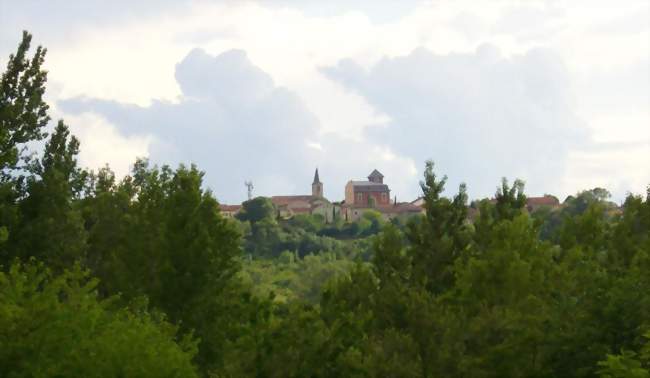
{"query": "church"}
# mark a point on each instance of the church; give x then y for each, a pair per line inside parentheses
(373, 194)
(315, 203)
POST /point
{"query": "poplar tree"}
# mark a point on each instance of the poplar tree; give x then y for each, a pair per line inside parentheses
(23, 116)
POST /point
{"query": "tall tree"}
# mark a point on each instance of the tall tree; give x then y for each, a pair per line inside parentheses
(51, 227)
(23, 112)
(159, 234)
(23, 116)
(442, 235)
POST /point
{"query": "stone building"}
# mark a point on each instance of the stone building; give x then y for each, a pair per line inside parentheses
(316, 203)
(229, 211)
(362, 196)
(535, 203)
(368, 194)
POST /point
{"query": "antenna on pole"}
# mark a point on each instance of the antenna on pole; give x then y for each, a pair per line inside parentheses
(249, 187)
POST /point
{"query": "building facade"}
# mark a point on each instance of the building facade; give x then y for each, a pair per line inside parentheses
(229, 211)
(368, 194)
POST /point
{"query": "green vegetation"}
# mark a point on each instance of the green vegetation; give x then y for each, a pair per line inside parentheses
(142, 276)
(55, 326)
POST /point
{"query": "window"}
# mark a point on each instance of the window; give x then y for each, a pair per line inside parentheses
(384, 197)
(359, 197)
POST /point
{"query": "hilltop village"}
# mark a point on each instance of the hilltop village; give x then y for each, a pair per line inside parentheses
(360, 196)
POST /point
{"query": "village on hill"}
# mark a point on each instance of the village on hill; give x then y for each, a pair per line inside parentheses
(361, 196)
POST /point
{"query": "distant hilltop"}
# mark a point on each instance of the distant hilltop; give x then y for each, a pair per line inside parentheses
(360, 196)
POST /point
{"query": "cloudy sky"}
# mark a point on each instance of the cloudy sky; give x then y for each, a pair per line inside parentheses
(556, 93)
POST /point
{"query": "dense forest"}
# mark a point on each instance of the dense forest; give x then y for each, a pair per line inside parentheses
(142, 276)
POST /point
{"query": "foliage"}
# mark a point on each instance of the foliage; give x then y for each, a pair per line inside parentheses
(442, 235)
(23, 112)
(257, 210)
(627, 364)
(49, 226)
(54, 325)
(290, 278)
(23, 116)
(159, 234)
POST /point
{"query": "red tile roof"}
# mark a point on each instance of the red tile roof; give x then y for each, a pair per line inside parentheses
(401, 208)
(542, 201)
(285, 200)
(231, 208)
(301, 210)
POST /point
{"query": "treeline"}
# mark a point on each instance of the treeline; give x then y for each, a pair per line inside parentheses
(266, 234)
(142, 276)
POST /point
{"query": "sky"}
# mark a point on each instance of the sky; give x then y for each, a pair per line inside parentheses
(556, 93)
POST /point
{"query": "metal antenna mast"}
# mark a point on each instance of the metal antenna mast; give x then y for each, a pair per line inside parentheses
(249, 187)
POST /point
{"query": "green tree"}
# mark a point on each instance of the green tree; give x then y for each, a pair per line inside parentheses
(54, 325)
(23, 112)
(257, 209)
(510, 200)
(631, 234)
(159, 234)
(502, 299)
(23, 116)
(441, 237)
(627, 364)
(391, 262)
(51, 227)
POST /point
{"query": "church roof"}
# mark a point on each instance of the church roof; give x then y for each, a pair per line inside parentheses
(369, 186)
(285, 200)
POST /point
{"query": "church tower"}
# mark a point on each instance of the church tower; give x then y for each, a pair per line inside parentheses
(317, 186)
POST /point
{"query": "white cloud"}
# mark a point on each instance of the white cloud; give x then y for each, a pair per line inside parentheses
(237, 125)
(480, 116)
(103, 144)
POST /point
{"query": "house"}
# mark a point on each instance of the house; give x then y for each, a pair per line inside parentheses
(316, 203)
(418, 202)
(401, 208)
(534, 203)
(229, 211)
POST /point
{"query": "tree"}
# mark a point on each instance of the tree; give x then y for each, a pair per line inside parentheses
(631, 234)
(50, 226)
(391, 263)
(440, 237)
(627, 364)
(23, 116)
(257, 209)
(23, 112)
(54, 325)
(107, 215)
(579, 204)
(159, 234)
(502, 298)
(510, 201)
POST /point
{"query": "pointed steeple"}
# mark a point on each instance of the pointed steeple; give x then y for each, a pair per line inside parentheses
(316, 178)
(317, 186)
